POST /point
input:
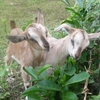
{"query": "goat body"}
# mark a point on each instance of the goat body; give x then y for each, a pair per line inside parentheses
(57, 52)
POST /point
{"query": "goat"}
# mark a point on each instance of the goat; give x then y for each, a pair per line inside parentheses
(27, 47)
(73, 44)
(58, 49)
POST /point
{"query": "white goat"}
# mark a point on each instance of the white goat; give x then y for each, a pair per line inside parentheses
(73, 44)
(27, 47)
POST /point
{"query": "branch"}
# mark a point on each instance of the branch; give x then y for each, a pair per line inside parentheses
(86, 90)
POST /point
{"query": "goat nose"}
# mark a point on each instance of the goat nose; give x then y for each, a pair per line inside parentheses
(46, 47)
(76, 56)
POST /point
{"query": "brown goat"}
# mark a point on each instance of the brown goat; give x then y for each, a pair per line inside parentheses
(27, 47)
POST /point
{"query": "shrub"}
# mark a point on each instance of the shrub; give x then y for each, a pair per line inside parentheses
(56, 86)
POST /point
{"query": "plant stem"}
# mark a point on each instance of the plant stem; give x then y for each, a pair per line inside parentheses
(86, 90)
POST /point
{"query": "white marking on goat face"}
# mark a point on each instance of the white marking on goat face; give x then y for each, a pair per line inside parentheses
(78, 42)
(34, 36)
(37, 33)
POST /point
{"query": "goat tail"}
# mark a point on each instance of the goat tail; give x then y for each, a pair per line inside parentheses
(12, 24)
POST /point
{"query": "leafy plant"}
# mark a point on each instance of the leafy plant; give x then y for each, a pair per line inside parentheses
(95, 97)
(55, 87)
(84, 14)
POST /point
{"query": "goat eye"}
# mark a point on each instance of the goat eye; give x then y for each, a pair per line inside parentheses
(31, 39)
(72, 41)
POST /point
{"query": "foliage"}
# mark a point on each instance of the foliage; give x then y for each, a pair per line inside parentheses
(55, 86)
(95, 97)
(84, 14)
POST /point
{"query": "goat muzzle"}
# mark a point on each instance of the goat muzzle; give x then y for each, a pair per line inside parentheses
(46, 48)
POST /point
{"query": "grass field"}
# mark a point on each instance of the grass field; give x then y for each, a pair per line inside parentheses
(23, 11)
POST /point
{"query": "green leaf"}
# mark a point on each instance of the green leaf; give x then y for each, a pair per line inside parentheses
(70, 96)
(96, 71)
(71, 71)
(78, 78)
(95, 97)
(83, 57)
(43, 69)
(73, 23)
(35, 97)
(67, 2)
(52, 98)
(91, 45)
(48, 85)
(30, 90)
(60, 71)
(73, 10)
(80, 3)
(89, 4)
(31, 72)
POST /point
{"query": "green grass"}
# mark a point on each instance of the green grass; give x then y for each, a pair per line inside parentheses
(53, 10)
(22, 11)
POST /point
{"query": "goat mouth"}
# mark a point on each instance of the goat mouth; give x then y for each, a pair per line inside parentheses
(76, 58)
(46, 50)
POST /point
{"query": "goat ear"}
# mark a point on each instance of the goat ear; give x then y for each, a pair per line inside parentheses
(40, 18)
(64, 27)
(16, 38)
(94, 36)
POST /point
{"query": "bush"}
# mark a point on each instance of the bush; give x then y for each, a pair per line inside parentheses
(55, 86)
